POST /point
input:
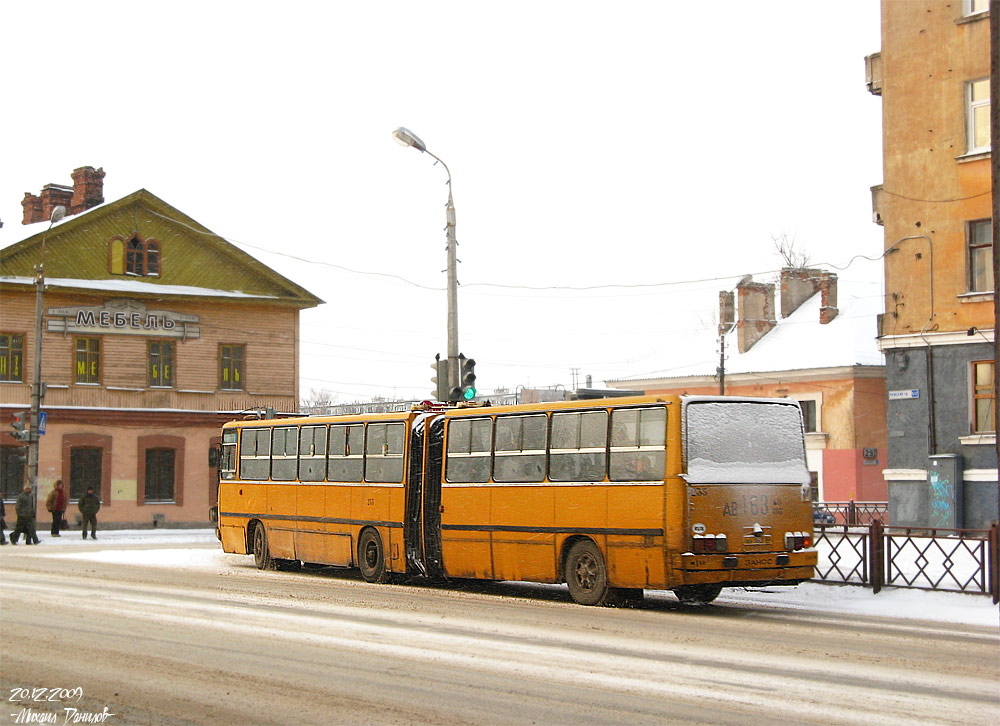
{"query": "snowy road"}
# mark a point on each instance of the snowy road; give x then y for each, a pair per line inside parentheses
(175, 632)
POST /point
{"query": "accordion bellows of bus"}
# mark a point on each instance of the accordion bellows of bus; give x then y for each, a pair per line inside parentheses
(612, 497)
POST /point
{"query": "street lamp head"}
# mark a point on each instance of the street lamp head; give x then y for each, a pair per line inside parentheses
(407, 138)
(57, 214)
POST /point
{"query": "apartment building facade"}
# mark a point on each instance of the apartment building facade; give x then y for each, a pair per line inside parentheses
(932, 74)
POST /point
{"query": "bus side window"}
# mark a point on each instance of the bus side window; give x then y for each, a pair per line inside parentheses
(520, 448)
(469, 450)
(284, 450)
(578, 449)
(346, 461)
(638, 444)
(312, 453)
(255, 453)
(384, 452)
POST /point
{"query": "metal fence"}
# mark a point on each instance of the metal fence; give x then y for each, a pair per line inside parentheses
(852, 512)
(877, 555)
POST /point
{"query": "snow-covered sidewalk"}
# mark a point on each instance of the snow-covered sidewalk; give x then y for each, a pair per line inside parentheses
(175, 550)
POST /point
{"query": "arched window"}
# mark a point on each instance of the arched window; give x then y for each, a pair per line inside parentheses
(152, 258)
(134, 257)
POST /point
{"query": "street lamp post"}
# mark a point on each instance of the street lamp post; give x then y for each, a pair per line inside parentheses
(407, 138)
(36, 383)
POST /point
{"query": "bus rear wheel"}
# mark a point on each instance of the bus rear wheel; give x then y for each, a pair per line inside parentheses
(586, 574)
(697, 595)
(371, 556)
(261, 552)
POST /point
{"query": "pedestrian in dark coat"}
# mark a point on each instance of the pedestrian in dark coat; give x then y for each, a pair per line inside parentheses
(89, 505)
(56, 504)
(3, 522)
(24, 505)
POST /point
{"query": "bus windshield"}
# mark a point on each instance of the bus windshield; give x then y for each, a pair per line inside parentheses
(744, 442)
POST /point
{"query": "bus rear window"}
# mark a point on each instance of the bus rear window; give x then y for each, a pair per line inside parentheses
(744, 442)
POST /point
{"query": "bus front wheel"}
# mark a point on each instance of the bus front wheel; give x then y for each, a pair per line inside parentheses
(586, 574)
(371, 556)
(261, 552)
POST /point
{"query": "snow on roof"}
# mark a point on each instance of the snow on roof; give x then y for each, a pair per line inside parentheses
(798, 342)
(134, 286)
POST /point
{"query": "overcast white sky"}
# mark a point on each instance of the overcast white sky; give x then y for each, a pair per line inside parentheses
(591, 144)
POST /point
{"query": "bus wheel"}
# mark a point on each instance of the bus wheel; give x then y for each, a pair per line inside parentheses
(371, 556)
(261, 552)
(586, 574)
(697, 595)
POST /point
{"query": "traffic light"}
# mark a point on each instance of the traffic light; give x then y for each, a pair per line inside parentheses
(467, 377)
(440, 378)
(18, 426)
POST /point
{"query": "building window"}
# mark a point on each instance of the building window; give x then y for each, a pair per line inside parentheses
(134, 257)
(974, 7)
(88, 360)
(809, 416)
(12, 464)
(159, 475)
(231, 367)
(982, 397)
(152, 258)
(977, 103)
(11, 357)
(981, 256)
(161, 364)
(84, 470)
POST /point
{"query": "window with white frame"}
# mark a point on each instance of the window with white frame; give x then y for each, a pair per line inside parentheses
(982, 397)
(977, 106)
(980, 256)
(974, 7)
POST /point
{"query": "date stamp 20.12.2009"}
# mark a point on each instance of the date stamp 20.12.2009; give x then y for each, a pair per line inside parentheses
(51, 706)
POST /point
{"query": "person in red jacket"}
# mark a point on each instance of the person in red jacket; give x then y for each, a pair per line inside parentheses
(56, 504)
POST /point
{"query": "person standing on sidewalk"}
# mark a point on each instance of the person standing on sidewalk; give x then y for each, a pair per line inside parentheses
(89, 505)
(3, 522)
(56, 504)
(24, 505)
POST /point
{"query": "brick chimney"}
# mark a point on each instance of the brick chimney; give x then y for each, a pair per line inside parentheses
(828, 297)
(87, 191)
(32, 206)
(798, 284)
(755, 302)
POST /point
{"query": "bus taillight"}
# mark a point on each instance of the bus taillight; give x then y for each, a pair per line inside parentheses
(710, 543)
(797, 540)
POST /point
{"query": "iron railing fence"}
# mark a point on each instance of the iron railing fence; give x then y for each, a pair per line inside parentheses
(956, 560)
(852, 513)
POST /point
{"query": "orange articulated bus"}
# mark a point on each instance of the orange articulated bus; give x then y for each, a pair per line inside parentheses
(612, 496)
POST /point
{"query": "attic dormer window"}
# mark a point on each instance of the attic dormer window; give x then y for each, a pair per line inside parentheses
(135, 257)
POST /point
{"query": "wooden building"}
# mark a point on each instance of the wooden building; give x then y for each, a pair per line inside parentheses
(156, 331)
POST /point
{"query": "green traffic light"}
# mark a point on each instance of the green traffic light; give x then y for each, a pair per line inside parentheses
(469, 393)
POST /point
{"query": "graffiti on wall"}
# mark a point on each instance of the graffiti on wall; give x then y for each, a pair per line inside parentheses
(942, 500)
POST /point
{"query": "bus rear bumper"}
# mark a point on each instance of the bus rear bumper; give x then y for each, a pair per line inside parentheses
(748, 568)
